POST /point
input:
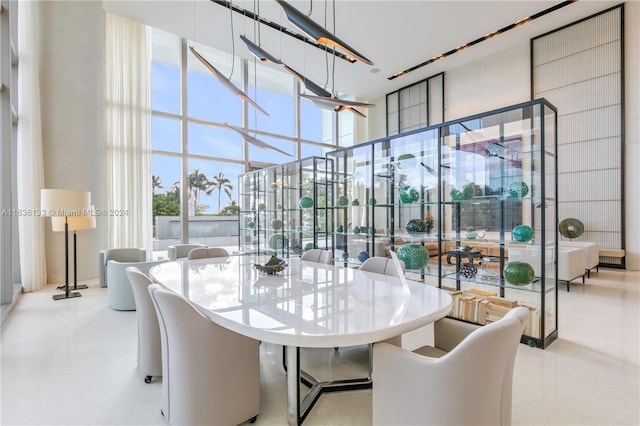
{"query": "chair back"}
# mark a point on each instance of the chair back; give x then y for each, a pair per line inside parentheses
(198, 253)
(376, 264)
(217, 252)
(149, 346)
(179, 251)
(119, 255)
(211, 374)
(522, 314)
(119, 291)
(317, 256)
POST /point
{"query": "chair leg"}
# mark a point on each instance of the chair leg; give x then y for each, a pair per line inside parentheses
(147, 379)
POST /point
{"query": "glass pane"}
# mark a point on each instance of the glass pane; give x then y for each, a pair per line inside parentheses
(165, 134)
(310, 150)
(208, 98)
(165, 172)
(311, 122)
(275, 95)
(214, 141)
(165, 72)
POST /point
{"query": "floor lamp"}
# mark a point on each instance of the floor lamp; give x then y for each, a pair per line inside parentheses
(75, 223)
(65, 203)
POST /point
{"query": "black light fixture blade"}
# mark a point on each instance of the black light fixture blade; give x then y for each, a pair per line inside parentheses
(226, 82)
(259, 52)
(255, 141)
(316, 31)
(336, 104)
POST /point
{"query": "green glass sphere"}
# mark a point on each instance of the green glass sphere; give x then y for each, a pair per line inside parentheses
(414, 256)
(409, 195)
(518, 189)
(522, 233)
(306, 202)
(343, 201)
(251, 225)
(518, 273)
(277, 241)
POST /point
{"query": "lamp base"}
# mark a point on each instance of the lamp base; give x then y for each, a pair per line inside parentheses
(74, 287)
(64, 296)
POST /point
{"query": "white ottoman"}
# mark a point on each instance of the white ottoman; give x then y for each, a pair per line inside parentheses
(591, 254)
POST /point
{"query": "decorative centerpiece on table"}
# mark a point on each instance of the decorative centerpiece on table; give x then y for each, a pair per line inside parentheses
(272, 267)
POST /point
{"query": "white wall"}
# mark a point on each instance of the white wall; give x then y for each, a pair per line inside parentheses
(71, 62)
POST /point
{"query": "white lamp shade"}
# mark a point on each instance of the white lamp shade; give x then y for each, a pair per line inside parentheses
(76, 223)
(64, 202)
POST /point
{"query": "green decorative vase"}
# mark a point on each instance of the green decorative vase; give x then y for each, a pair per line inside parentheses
(277, 241)
(522, 233)
(414, 256)
(340, 228)
(306, 202)
(518, 273)
(251, 225)
(416, 226)
(409, 195)
(356, 230)
(343, 201)
(518, 189)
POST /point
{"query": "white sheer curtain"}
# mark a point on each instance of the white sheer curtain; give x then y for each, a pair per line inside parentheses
(30, 168)
(127, 130)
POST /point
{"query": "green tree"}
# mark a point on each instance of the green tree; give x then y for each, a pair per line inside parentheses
(156, 183)
(165, 205)
(220, 183)
(198, 183)
(233, 209)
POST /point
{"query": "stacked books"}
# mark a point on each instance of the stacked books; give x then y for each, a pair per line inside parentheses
(484, 307)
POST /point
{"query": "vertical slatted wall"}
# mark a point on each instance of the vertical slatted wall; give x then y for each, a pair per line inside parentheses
(579, 69)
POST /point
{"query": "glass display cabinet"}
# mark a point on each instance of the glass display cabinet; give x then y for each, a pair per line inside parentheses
(469, 205)
(285, 209)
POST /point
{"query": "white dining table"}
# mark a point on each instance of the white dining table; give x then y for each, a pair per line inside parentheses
(308, 305)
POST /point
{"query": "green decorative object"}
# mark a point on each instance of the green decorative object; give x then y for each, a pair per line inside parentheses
(467, 193)
(343, 201)
(409, 195)
(522, 233)
(340, 228)
(372, 201)
(355, 203)
(274, 185)
(277, 241)
(518, 273)
(416, 226)
(308, 246)
(471, 234)
(251, 225)
(518, 189)
(276, 224)
(261, 206)
(356, 230)
(571, 227)
(306, 202)
(414, 256)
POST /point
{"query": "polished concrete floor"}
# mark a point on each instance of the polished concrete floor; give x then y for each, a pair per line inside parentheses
(73, 362)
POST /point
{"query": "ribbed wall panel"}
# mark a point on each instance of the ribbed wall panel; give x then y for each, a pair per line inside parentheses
(578, 69)
(589, 154)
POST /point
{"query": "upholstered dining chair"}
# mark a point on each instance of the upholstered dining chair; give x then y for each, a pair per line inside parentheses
(465, 378)
(317, 256)
(119, 292)
(211, 375)
(179, 251)
(119, 255)
(149, 347)
(207, 252)
(381, 265)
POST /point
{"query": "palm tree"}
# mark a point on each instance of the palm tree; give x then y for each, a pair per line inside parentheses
(198, 182)
(221, 183)
(156, 183)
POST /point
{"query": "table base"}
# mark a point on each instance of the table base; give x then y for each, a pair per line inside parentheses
(297, 410)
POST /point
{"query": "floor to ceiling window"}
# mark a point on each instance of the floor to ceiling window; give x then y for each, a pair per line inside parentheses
(197, 158)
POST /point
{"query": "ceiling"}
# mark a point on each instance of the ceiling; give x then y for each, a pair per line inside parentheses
(395, 35)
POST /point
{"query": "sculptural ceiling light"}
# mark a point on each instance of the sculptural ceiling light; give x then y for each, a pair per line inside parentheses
(255, 141)
(226, 82)
(324, 99)
(320, 34)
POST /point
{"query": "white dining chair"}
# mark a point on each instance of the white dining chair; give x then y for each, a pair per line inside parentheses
(211, 375)
(317, 256)
(465, 379)
(149, 346)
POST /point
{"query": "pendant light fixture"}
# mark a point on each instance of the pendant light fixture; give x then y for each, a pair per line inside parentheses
(320, 34)
(255, 141)
(334, 103)
(226, 82)
(331, 103)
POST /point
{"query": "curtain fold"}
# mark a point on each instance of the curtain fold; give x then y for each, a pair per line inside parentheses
(127, 93)
(30, 167)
